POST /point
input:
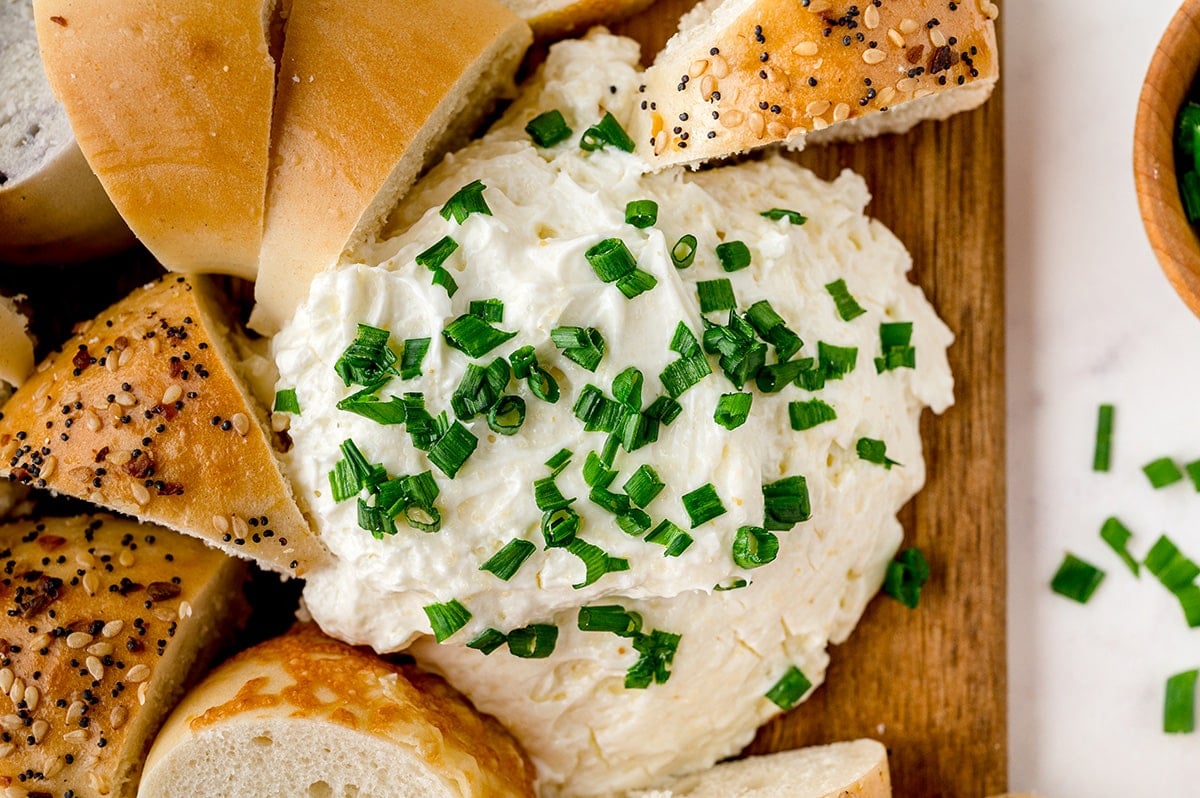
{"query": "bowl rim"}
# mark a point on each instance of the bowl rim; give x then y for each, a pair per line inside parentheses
(1170, 75)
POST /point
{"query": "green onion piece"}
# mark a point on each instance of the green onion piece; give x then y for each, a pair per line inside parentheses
(806, 415)
(657, 652)
(596, 561)
(611, 260)
(637, 430)
(1104, 430)
(547, 496)
(506, 416)
(793, 217)
(672, 537)
(488, 641)
(413, 497)
(474, 336)
(811, 379)
(1162, 472)
(785, 503)
(773, 378)
(375, 520)
(607, 131)
(444, 279)
(703, 504)
(582, 345)
(627, 388)
(367, 360)
(643, 486)
(611, 618)
(716, 295)
(506, 562)
(733, 409)
(597, 412)
(365, 404)
(466, 201)
(742, 355)
(641, 213)
(683, 254)
(559, 461)
(874, 451)
(1189, 194)
(414, 353)
(1188, 124)
(559, 527)
(905, 577)
(286, 402)
(664, 409)
(480, 389)
(733, 255)
(847, 306)
(1170, 566)
(636, 283)
(754, 546)
(424, 428)
(771, 328)
(342, 482)
(435, 257)
(536, 641)
(523, 361)
(1117, 536)
(836, 361)
(790, 688)
(609, 453)
(1179, 704)
(1076, 579)
(490, 310)
(1193, 472)
(1189, 600)
(452, 449)
(595, 473)
(615, 503)
(353, 473)
(634, 522)
(447, 618)
(894, 339)
(548, 128)
(732, 584)
(681, 374)
(541, 383)
(683, 341)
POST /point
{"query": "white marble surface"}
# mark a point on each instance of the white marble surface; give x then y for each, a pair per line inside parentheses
(1091, 319)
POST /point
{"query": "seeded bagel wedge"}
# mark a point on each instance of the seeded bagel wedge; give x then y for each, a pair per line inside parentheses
(144, 412)
(106, 622)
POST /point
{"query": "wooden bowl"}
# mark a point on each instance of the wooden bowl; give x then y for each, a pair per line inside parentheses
(1171, 73)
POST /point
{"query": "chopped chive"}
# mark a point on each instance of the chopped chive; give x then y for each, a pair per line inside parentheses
(643, 486)
(367, 360)
(683, 341)
(847, 306)
(414, 353)
(611, 618)
(1117, 536)
(425, 429)
(452, 449)
(374, 519)
(874, 451)
(435, 257)
(611, 259)
(664, 409)
(806, 415)
(1076, 579)
(535, 641)
(548, 128)
(507, 415)
(286, 401)
(771, 327)
(474, 336)
(1193, 472)
(615, 503)
(413, 497)
(683, 254)
(1104, 430)
(627, 388)
(634, 522)
(447, 618)
(559, 461)
(1170, 566)
(466, 201)
(793, 217)
(342, 482)
(541, 383)
(636, 283)
(596, 561)
(773, 378)
(733, 255)
(508, 560)
(785, 503)
(595, 473)
(367, 405)
(732, 584)
(559, 527)
(672, 537)
(1189, 601)
(754, 546)
(836, 361)
(607, 131)
(597, 412)
(1179, 703)
(582, 345)
(490, 310)
(703, 504)
(657, 652)
(733, 409)
(894, 340)
(716, 295)
(641, 213)
(1162, 472)
(905, 577)
(742, 355)
(547, 496)
(681, 374)
(488, 641)
(790, 688)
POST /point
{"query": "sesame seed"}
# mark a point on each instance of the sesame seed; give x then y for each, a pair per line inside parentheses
(78, 639)
(817, 107)
(95, 667)
(909, 25)
(873, 55)
(17, 691)
(241, 423)
(76, 737)
(6, 679)
(871, 17)
(126, 558)
(806, 49)
(138, 673)
(937, 38)
(140, 494)
(172, 394)
(39, 729)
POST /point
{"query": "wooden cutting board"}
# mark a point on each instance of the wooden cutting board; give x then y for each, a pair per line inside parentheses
(930, 683)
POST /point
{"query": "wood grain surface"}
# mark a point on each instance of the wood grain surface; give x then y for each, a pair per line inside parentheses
(930, 683)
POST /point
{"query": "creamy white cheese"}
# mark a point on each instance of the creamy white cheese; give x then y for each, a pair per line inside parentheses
(587, 732)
